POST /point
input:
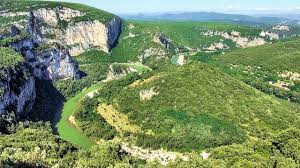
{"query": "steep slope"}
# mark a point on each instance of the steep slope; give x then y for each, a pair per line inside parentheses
(75, 26)
(47, 35)
(271, 68)
(195, 107)
(17, 86)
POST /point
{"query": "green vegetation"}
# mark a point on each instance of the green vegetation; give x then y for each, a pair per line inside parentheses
(67, 130)
(280, 150)
(91, 123)
(6, 21)
(262, 67)
(91, 13)
(94, 73)
(34, 145)
(195, 107)
(276, 57)
(9, 58)
(137, 36)
(198, 107)
(5, 42)
(189, 33)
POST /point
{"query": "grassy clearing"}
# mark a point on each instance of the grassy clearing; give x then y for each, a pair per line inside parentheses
(117, 119)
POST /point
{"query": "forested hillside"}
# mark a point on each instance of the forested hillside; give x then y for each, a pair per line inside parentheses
(81, 87)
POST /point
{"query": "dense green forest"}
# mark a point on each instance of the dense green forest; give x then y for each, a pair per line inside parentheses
(238, 105)
(34, 145)
(169, 119)
(272, 69)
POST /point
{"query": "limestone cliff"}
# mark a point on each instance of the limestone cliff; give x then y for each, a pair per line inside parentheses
(49, 63)
(17, 90)
(79, 36)
(46, 37)
(91, 34)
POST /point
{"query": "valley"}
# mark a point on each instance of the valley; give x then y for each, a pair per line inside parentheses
(82, 87)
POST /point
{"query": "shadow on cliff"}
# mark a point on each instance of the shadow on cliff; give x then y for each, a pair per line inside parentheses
(48, 105)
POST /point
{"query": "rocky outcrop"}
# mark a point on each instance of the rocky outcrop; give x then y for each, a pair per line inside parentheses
(282, 28)
(270, 35)
(17, 90)
(55, 63)
(146, 95)
(51, 63)
(216, 46)
(47, 40)
(91, 34)
(162, 40)
(78, 36)
(181, 60)
(53, 16)
(164, 157)
(118, 70)
(240, 41)
(160, 53)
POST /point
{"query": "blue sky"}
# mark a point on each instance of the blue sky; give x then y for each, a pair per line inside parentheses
(226, 6)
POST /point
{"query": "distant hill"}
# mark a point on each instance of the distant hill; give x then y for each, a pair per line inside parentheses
(209, 16)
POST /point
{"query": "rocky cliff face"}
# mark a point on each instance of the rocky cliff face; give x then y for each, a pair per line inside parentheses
(47, 38)
(17, 90)
(49, 63)
(91, 34)
(78, 36)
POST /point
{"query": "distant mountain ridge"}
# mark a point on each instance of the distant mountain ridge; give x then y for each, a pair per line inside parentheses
(209, 16)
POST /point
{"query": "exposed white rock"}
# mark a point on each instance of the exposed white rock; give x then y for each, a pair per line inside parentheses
(282, 85)
(294, 76)
(130, 35)
(131, 26)
(59, 65)
(235, 33)
(113, 73)
(52, 16)
(282, 28)
(216, 46)
(164, 157)
(51, 63)
(242, 42)
(152, 52)
(205, 155)
(79, 36)
(92, 94)
(245, 43)
(270, 35)
(146, 95)
(91, 34)
(13, 14)
(181, 60)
